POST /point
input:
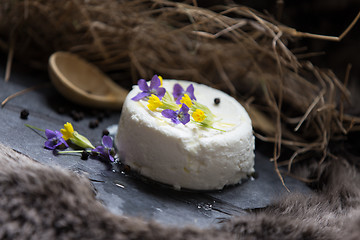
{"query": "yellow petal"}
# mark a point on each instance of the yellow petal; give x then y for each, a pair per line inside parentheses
(67, 131)
(154, 102)
(161, 80)
(186, 100)
(68, 126)
(199, 115)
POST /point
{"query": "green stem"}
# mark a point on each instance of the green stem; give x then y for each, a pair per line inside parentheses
(74, 151)
(33, 127)
(207, 126)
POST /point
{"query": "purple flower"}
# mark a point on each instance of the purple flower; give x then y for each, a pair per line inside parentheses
(106, 151)
(179, 116)
(178, 92)
(153, 89)
(55, 139)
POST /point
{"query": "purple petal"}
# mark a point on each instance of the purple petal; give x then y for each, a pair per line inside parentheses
(155, 82)
(54, 139)
(183, 115)
(51, 144)
(140, 96)
(175, 120)
(99, 149)
(107, 141)
(58, 134)
(111, 157)
(50, 134)
(161, 93)
(190, 92)
(62, 141)
(168, 113)
(143, 85)
(178, 91)
(184, 109)
(185, 118)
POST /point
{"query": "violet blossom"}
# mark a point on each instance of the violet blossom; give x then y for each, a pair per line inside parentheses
(55, 139)
(106, 150)
(179, 116)
(154, 88)
(178, 92)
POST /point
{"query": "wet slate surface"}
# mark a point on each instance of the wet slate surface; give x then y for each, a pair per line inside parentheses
(124, 194)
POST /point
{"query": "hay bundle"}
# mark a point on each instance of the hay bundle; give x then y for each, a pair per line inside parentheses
(230, 47)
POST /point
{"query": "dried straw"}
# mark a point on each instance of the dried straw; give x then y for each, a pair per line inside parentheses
(230, 47)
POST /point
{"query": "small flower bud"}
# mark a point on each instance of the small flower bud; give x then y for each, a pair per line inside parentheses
(81, 141)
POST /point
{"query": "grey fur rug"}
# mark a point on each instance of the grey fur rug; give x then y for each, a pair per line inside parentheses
(41, 202)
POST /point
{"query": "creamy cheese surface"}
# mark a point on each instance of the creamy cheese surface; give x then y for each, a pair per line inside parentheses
(187, 156)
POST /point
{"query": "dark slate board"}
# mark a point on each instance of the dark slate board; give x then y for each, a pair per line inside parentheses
(125, 194)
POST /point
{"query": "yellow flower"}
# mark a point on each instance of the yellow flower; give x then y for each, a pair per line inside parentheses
(161, 80)
(186, 100)
(199, 115)
(68, 131)
(154, 102)
(76, 138)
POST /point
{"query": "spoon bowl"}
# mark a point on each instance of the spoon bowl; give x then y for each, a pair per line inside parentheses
(84, 83)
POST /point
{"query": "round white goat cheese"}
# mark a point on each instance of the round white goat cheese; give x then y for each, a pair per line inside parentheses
(187, 156)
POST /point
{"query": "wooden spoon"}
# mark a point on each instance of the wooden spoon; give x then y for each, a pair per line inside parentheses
(84, 83)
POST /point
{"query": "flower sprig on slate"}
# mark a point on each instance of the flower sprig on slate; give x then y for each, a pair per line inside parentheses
(180, 107)
(59, 141)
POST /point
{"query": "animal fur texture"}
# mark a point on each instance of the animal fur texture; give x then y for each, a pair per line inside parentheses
(42, 202)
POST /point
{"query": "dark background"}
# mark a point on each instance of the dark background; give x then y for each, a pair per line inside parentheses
(328, 18)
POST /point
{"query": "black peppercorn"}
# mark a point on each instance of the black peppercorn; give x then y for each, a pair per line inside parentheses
(94, 124)
(55, 152)
(81, 115)
(85, 155)
(105, 132)
(94, 112)
(24, 114)
(61, 110)
(100, 116)
(217, 101)
(76, 116)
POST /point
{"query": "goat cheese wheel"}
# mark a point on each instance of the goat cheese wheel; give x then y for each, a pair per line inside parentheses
(189, 156)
